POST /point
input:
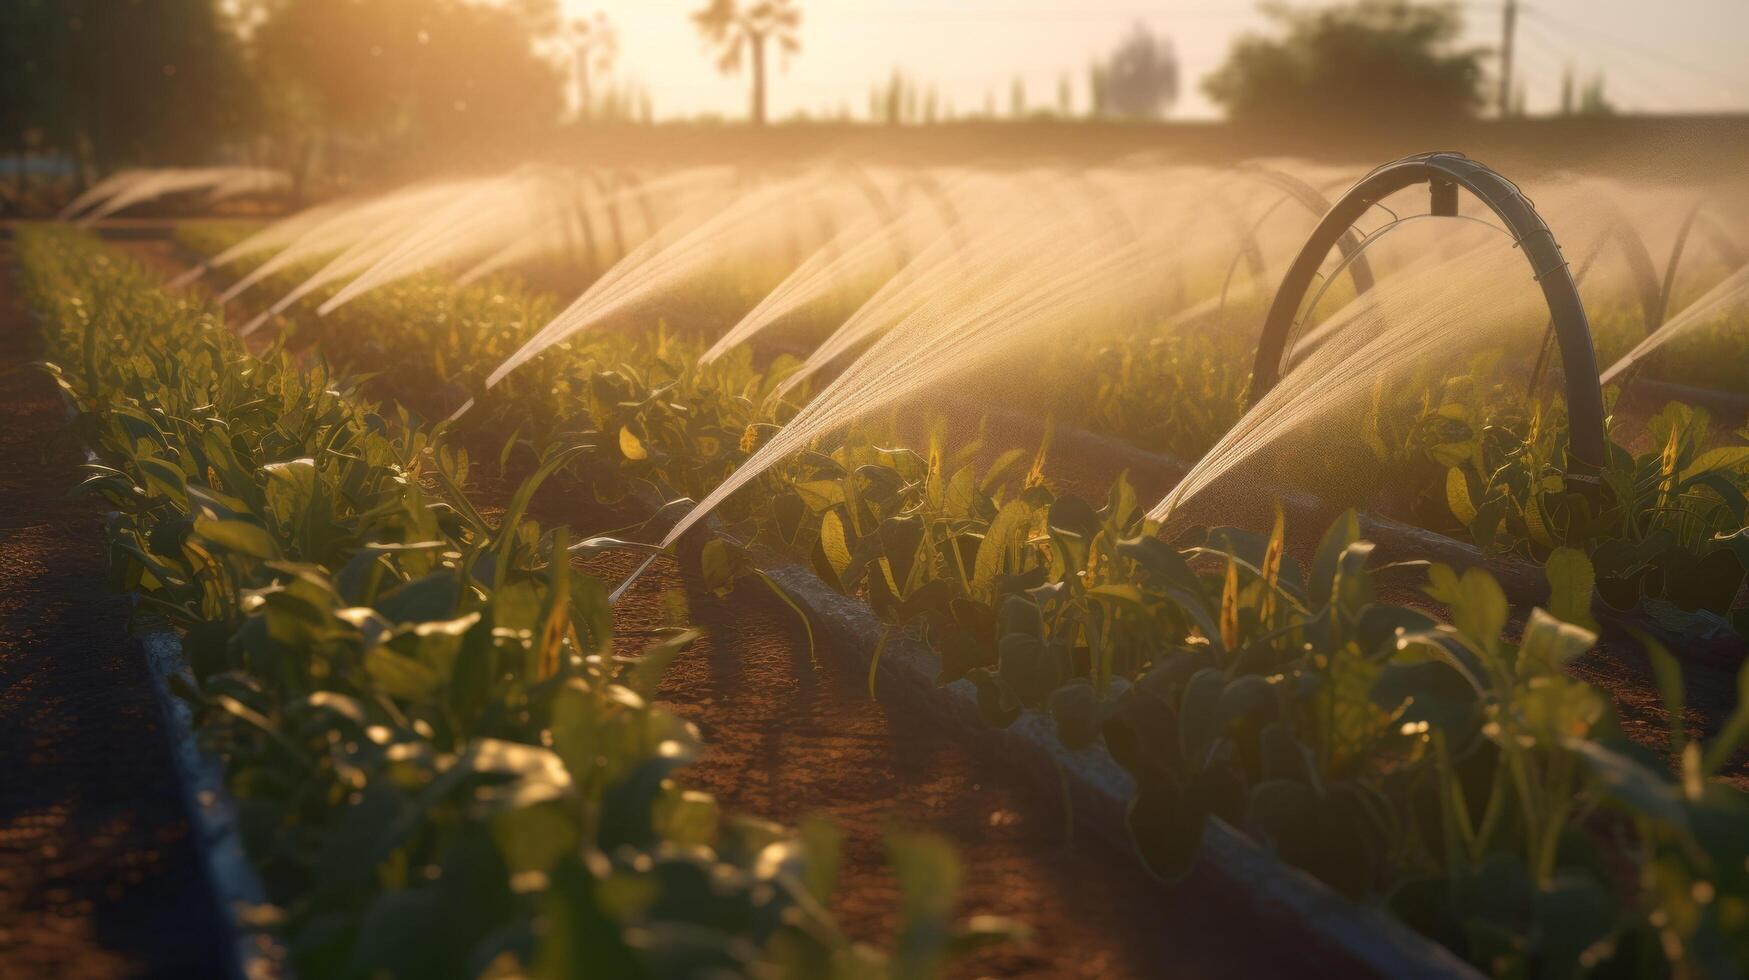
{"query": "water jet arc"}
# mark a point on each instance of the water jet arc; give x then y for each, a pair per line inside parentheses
(1310, 198)
(1723, 245)
(1445, 173)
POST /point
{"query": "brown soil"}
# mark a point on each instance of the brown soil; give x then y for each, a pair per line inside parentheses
(98, 877)
(787, 738)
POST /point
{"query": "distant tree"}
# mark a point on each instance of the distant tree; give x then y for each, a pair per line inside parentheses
(1065, 97)
(112, 84)
(1592, 101)
(1141, 77)
(735, 30)
(1389, 59)
(891, 100)
(1096, 89)
(403, 70)
(591, 45)
(1017, 97)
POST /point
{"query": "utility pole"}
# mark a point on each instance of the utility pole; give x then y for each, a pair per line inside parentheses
(1508, 27)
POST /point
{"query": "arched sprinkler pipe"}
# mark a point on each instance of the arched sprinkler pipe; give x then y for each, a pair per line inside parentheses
(1627, 239)
(1663, 291)
(630, 179)
(579, 205)
(1445, 173)
(1101, 198)
(611, 195)
(927, 185)
(878, 203)
(1314, 201)
(1723, 245)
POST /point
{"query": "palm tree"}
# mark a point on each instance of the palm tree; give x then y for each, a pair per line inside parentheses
(734, 29)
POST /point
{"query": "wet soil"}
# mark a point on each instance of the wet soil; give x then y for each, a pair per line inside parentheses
(98, 877)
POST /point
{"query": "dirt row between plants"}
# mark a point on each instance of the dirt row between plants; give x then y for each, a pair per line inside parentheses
(789, 736)
(98, 877)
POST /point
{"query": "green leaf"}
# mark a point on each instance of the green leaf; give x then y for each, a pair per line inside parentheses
(929, 875)
(1571, 582)
(400, 676)
(1668, 674)
(1477, 604)
(1429, 690)
(1735, 731)
(1199, 721)
(427, 598)
(999, 539)
(1165, 823)
(1030, 668)
(1724, 459)
(237, 536)
(1633, 783)
(1549, 645)
(1075, 708)
(580, 939)
(1344, 532)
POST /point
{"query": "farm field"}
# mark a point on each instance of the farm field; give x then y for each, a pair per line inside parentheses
(787, 490)
(1014, 537)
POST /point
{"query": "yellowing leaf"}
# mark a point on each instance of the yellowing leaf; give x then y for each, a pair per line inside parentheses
(1010, 522)
(630, 446)
(1272, 565)
(1533, 522)
(1457, 496)
(832, 541)
(1230, 607)
(820, 494)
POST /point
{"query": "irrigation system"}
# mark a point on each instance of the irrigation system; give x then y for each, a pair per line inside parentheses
(1445, 173)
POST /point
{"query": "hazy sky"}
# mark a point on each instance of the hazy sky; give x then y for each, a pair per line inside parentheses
(1657, 55)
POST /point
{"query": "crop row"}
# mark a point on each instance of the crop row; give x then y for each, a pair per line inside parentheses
(1467, 781)
(1461, 452)
(443, 762)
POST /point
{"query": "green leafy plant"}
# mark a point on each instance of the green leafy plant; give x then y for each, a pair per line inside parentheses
(423, 716)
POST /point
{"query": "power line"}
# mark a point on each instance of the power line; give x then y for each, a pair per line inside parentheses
(1645, 90)
(1701, 71)
(1557, 62)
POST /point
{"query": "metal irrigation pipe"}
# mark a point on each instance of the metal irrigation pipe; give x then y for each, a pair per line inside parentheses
(635, 181)
(1314, 201)
(1639, 262)
(1726, 248)
(922, 182)
(1445, 173)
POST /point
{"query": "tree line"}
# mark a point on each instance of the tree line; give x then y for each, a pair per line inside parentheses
(112, 83)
